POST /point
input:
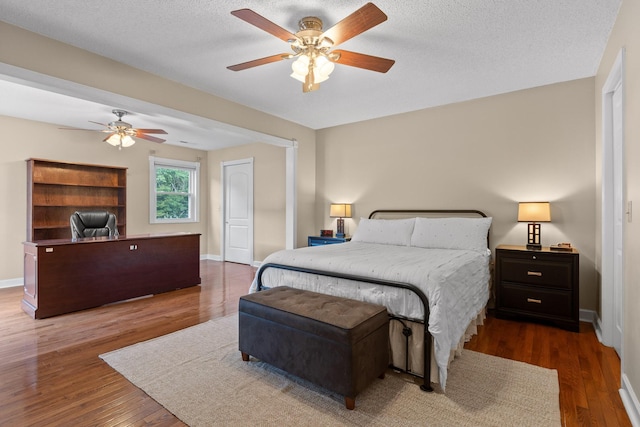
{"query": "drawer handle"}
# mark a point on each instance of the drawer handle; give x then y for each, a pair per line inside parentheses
(537, 301)
(534, 273)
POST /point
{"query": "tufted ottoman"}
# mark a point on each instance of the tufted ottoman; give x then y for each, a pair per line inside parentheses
(337, 343)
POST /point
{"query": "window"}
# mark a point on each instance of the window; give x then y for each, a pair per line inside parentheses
(173, 190)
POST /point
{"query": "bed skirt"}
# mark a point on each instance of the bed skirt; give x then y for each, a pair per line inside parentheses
(397, 345)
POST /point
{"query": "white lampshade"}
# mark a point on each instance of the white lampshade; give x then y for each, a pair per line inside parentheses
(340, 210)
(322, 68)
(114, 140)
(118, 140)
(300, 68)
(127, 141)
(534, 212)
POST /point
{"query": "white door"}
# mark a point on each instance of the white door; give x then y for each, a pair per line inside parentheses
(238, 211)
(618, 216)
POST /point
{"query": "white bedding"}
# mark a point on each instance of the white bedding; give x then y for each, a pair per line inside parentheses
(456, 282)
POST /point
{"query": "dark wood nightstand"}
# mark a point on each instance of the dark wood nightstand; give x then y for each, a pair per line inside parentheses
(319, 241)
(538, 285)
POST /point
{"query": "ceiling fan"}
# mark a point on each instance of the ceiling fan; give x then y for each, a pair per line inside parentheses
(122, 133)
(313, 47)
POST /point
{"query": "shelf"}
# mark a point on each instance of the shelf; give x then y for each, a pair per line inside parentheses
(57, 189)
(79, 185)
(79, 206)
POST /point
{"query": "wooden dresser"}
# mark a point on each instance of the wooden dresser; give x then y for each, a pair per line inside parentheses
(538, 285)
(62, 276)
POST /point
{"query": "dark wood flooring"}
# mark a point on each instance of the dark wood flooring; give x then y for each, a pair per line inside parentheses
(50, 373)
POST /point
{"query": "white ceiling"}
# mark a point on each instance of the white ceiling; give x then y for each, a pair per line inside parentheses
(445, 51)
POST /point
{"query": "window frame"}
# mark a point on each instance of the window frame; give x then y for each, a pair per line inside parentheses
(194, 189)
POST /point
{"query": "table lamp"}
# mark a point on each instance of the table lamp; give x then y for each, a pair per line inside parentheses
(534, 213)
(340, 211)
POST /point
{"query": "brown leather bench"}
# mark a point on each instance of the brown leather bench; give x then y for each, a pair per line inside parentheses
(337, 343)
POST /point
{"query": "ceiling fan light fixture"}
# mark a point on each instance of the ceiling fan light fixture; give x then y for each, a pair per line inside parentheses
(127, 141)
(120, 140)
(114, 140)
(322, 68)
(300, 67)
(325, 43)
(313, 45)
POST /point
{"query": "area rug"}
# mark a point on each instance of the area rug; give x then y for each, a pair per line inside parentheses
(198, 375)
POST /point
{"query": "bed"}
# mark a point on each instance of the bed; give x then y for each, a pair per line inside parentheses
(428, 267)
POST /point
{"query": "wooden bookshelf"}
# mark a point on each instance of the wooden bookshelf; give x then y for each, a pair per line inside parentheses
(55, 190)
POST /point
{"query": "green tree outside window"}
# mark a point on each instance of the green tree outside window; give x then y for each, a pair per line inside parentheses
(172, 190)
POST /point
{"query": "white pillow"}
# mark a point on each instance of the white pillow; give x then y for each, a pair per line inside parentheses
(451, 233)
(385, 231)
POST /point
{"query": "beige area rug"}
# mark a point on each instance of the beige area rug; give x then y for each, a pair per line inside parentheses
(199, 376)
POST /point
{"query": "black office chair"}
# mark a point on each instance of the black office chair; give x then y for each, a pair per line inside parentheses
(93, 224)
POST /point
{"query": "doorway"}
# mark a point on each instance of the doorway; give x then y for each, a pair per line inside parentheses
(237, 178)
(613, 207)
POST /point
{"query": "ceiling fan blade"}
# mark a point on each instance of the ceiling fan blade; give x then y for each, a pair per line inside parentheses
(90, 130)
(149, 138)
(367, 17)
(360, 60)
(256, 62)
(263, 23)
(98, 123)
(149, 131)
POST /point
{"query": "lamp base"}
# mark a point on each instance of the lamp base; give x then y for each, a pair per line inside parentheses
(340, 228)
(534, 246)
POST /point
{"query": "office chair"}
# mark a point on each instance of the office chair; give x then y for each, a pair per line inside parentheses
(93, 224)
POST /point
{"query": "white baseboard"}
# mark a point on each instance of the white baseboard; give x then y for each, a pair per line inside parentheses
(210, 257)
(588, 316)
(627, 394)
(10, 283)
(630, 401)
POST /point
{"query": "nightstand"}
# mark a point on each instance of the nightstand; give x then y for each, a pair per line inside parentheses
(319, 241)
(538, 285)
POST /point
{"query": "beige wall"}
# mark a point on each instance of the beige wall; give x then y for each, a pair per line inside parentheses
(269, 196)
(39, 54)
(24, 139)
(625, 34)
(485, 154)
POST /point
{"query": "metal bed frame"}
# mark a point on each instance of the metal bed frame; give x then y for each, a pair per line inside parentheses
(407, 332)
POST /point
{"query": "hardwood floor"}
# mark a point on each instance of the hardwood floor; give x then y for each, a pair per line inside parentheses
(588, 372)
(50, 373)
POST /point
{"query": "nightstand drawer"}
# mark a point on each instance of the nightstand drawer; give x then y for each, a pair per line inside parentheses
(535, 300)
(537, 272)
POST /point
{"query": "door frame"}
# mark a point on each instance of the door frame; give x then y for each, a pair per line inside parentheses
(609, 305)
(223, 217)
(291, 208)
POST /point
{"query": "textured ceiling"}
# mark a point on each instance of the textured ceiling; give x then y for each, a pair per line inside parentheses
(445, 51)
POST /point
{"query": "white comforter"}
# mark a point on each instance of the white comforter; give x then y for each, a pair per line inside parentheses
(456, 282)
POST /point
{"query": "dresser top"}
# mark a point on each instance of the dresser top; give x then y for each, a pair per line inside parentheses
(544, 249)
